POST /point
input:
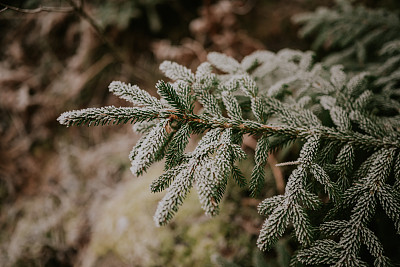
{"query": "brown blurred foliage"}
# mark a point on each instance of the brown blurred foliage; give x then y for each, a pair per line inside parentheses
(216, 29)
(52, 179)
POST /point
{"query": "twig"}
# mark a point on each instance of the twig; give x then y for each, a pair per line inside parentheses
(288, 163)
(36, 10)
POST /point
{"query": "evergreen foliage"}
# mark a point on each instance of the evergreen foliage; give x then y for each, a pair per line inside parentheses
(346, 123)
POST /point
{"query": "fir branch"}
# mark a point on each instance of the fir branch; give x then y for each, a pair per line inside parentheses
(372, 243)
(309, 150)
(338, 77)
(175, 71)
(308, 200)
(283, 97)
(232, 106)
(288, 211)
(267, 206)
(164, 180)
(205, 181)
(168, 92)
(369, 126)
(390, 48)
(302, 225)
(177, 146)
(205, 80)
(203, 123)
(396, 171)
(210, 104)
(340, 118)
(256, 59)
(249, 86)
(259, 109)
(363, 99)
(147, 152)
(238, 176)
(345, 160)
(290, 115)
(357, 83)
(390, 202)
(334, 228)
(107, 115)
(231, 85)
(273, 228)
(324, 251)
(258, 173)
(177, 192)
(223, 62)
(134, 94)
(322, 177)
(143, 127)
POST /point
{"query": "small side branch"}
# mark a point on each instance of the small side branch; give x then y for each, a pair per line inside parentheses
(288, 163)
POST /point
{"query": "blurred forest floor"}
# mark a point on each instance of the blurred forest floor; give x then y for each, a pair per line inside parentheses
(67, 197)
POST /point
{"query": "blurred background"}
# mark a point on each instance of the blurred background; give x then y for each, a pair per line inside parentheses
(67, 196)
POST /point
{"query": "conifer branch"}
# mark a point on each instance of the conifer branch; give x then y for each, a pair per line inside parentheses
(349, 152)
(107, 115)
